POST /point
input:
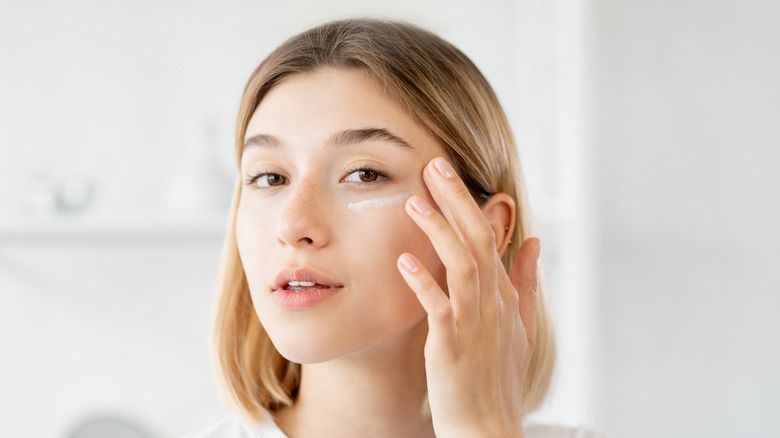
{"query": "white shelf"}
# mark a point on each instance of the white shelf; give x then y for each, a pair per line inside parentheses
(211, 227)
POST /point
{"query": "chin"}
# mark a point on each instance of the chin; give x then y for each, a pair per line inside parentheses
(306, 349)
(300, 355)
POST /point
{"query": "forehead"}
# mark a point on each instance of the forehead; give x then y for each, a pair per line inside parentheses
(308, 108)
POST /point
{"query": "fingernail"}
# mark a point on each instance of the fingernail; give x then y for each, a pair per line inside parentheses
(444, 168)
(420, 206)
(408, 263)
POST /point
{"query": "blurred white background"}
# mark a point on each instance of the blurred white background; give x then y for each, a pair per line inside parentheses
(648, 132)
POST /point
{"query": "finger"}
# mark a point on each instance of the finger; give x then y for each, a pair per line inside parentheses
(462, 212)
(523, 278)
(437, 195)
(442, 330)
(462, 270)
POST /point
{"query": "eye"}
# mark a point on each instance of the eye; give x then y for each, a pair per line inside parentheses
(267, 180)
(362, 175)
(366, 173)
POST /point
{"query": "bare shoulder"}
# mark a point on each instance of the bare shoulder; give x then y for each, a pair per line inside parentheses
(555, 431)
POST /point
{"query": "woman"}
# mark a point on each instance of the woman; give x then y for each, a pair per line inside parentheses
(378, 275)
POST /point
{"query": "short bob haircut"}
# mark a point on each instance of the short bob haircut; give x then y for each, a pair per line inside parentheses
(445, 92)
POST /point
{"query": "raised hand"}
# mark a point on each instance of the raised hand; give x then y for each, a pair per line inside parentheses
(482, 330)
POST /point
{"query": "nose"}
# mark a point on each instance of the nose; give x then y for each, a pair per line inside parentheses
(303, 218)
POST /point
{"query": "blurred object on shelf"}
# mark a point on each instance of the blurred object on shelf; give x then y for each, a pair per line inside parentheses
(74, 195)
(45, 198)
(109, 426)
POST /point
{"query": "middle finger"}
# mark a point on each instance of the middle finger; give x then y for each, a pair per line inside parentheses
(457, 205)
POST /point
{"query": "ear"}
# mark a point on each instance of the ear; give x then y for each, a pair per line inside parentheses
(500, 211)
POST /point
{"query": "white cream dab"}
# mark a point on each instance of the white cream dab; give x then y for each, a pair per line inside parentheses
(379, 202)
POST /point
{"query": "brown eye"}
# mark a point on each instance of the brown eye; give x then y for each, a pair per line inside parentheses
(367, 175)
(363, 175)
(271, 180)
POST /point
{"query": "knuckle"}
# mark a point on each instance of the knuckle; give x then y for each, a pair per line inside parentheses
(460, 191)
(427, 283)
(486, 235)
(441, 225)
(467, 267)
(442, 313)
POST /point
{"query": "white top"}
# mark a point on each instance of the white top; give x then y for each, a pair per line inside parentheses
(234, 428)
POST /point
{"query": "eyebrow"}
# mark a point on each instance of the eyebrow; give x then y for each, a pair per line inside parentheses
(345, 137)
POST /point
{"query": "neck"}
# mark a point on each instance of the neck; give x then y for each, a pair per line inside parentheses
(376, 393)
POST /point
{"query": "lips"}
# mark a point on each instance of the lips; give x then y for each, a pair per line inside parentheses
(298, 289)
(302, 279)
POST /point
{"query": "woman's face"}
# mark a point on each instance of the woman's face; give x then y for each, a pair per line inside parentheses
(328, 163)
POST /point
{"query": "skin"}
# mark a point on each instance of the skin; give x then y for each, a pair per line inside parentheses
(372, 352)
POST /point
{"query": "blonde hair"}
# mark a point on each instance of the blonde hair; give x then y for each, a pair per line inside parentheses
(442, 89)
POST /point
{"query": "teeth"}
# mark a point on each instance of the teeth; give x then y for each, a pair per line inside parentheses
(301, 283)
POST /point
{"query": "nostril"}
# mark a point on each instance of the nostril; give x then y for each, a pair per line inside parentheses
(308, 240)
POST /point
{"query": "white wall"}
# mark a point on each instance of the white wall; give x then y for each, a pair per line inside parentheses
(686, 107)
(114, 325)
(107, 310)
(651, 160)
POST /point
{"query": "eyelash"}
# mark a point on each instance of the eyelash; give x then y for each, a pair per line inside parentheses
(381, 175)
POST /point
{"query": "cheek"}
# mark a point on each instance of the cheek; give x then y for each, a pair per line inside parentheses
(379, 236)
